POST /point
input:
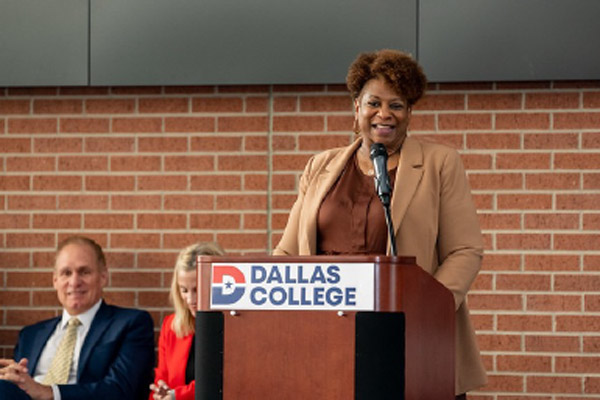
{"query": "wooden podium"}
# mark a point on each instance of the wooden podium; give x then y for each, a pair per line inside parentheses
(403, 349)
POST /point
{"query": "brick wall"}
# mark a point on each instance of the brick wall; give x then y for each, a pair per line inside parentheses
(146, 171)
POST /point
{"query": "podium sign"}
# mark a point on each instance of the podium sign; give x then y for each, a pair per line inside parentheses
(322, 327)
(292, 286)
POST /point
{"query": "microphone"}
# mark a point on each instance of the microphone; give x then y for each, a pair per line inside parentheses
(379, 158)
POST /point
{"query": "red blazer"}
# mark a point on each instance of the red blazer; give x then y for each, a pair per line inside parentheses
(173, 353)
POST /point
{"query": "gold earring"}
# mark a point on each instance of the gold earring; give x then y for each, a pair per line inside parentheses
(355, 127)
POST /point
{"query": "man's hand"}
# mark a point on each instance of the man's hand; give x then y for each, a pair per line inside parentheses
(10, 369)
(17, 373)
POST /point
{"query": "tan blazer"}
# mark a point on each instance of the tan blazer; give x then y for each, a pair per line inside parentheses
(434, 219)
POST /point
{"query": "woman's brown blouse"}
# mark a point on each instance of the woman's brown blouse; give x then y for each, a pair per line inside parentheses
(351, 219)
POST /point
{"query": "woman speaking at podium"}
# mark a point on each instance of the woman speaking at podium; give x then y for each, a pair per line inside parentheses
(338, 210)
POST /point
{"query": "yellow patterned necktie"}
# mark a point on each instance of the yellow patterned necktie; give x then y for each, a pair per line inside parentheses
(61, 363)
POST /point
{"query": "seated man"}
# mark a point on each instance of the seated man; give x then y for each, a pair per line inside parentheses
(93, 351)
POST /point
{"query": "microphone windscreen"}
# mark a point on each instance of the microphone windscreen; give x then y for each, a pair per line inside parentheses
(378, 149)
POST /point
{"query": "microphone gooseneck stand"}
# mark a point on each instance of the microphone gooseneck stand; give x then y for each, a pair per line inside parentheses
(383, 188)
(390, 226)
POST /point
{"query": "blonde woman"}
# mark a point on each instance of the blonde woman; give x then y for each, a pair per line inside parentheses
(174, 375)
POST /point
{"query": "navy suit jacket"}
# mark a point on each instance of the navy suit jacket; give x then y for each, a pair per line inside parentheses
(116, 359)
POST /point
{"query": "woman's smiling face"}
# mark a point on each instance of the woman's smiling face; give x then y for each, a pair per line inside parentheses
(382, 115)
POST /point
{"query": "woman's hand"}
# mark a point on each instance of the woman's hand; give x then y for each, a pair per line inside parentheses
(161, 391)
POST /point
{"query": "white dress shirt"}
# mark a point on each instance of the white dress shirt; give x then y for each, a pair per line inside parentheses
(54, 340)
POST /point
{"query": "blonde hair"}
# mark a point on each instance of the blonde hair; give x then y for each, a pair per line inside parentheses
(184, 321)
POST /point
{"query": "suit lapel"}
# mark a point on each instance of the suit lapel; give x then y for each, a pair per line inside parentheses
(39, 342)
(408, 177)
(323, 182)
(100, 323)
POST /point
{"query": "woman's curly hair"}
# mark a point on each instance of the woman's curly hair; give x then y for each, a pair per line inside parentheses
(399, 69)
